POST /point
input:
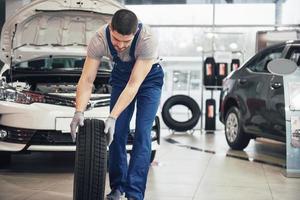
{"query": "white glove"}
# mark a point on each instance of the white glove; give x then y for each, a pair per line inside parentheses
(76, 121)
(109, 129)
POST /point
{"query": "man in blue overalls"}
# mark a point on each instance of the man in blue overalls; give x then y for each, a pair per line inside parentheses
(136, 78)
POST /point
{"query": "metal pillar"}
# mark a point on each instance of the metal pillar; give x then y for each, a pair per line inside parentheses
(278, 12)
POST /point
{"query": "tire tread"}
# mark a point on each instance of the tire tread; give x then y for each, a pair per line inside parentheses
(90, 161)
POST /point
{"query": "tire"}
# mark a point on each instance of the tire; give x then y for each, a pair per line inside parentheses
(156, 128)
(5, 158)
(187, 101)
(153, 152)
(236, 138)
(90, 161)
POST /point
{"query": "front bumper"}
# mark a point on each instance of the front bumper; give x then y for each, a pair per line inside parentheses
(13, 147)
(19, 139)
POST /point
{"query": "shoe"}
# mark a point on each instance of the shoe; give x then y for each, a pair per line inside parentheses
(114, 195)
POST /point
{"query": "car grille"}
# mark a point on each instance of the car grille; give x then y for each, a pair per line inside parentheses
(51, 138)
(70, 101)
(20, 136)
(36, 137)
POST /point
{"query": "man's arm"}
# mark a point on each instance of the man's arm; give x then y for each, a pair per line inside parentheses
(85, 84)
(138, 75)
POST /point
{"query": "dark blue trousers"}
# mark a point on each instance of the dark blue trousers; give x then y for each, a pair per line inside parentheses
(132, 178)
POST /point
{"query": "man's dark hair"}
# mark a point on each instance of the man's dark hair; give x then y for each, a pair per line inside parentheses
(124, 22)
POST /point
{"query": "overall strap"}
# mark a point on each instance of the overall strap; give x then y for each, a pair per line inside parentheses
(112, 49)
(133, 44)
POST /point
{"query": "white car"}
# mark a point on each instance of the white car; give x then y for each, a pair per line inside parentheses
(43, 47)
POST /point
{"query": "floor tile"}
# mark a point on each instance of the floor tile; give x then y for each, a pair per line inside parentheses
(232, 193)
(186, 167)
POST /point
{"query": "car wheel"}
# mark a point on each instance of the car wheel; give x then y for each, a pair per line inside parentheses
(236, 138)
(90, 161)
(5, 158)
(156, 129)
(152, 156)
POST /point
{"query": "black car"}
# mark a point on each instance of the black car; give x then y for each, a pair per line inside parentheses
(252, 100)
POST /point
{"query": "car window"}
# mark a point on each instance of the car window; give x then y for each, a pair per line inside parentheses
(294, 55)
(259, 64)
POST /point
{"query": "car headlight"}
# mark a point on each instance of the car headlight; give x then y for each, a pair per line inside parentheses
(23, 97)
(10, 94)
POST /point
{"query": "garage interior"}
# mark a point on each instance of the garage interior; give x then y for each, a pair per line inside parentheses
(197, 163)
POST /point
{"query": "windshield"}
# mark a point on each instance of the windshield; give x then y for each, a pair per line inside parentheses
(59, 63)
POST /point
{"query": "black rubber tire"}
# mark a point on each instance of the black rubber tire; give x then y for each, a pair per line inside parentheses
(90, 161)
(242, 139)
(5, 158)
(156, 128)
(153, 152)
(187, 101)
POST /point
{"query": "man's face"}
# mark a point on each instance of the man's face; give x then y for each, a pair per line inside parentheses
(119, 41)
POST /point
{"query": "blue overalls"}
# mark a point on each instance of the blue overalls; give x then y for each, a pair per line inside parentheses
(132, 178)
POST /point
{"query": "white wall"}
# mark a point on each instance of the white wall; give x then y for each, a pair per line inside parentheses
(203, 14)
(291, 12)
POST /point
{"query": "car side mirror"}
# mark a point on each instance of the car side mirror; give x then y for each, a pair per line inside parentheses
(282, 66)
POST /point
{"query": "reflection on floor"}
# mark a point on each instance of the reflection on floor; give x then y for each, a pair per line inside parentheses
(187, 167)
(261, 150)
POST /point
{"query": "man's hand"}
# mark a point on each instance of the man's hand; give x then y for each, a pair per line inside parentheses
(109, 129)
(76, 121)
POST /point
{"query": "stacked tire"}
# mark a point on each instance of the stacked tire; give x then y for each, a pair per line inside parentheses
(90, 161)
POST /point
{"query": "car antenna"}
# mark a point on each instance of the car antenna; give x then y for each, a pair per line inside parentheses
(11, 53)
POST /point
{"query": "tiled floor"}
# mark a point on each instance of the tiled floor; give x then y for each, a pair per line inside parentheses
(198, 166)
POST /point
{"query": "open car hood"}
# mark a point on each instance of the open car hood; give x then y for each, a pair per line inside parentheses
(53, 27)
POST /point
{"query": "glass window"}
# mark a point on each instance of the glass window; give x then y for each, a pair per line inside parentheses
(259, 64)
(195, 79)
(180, 80)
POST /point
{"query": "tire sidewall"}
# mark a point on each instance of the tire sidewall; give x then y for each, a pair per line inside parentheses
(186, 101)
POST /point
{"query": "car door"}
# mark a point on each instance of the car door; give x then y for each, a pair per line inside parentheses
(255, 84)
(276, 96)
(276, 108)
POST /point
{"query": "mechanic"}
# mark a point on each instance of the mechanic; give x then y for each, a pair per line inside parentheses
(136, 79)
